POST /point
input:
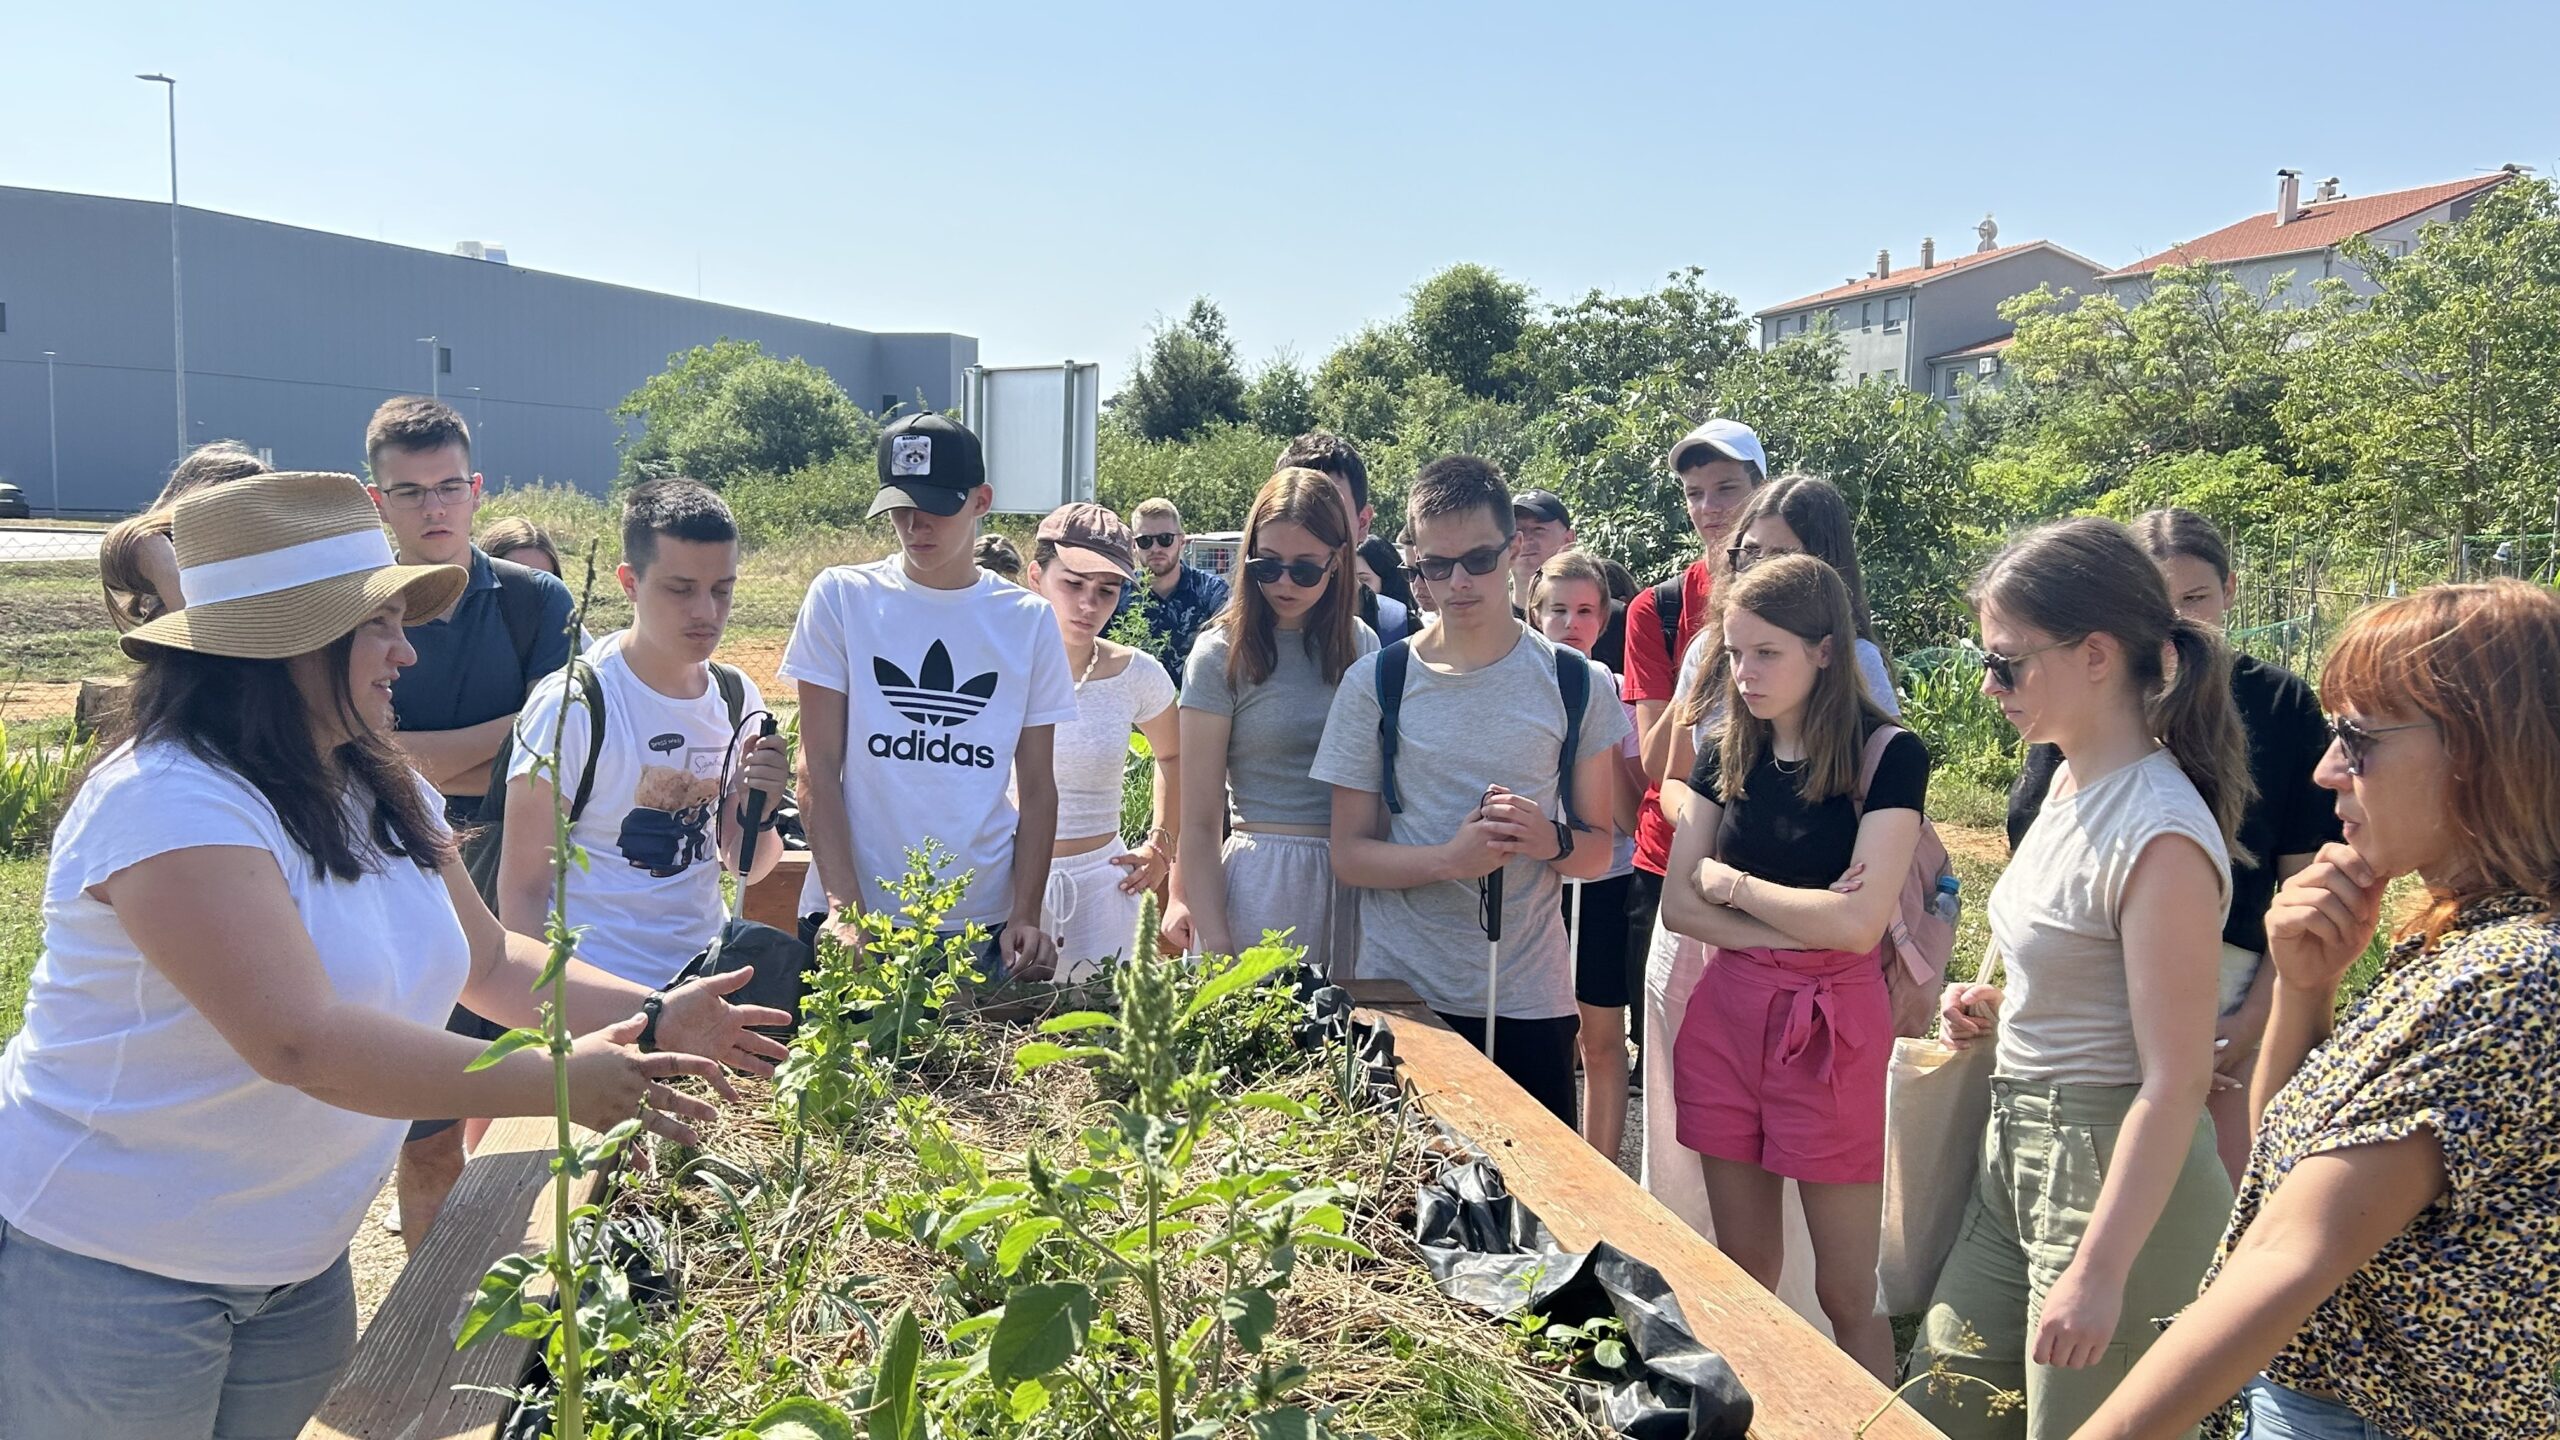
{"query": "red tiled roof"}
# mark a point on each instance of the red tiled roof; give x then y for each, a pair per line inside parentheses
(1905, 277)
(1985, 347)
(2317, 228)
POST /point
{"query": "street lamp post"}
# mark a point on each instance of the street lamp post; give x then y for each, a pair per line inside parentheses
(478, 413)
(430, 342)
(52, 435)
(177, 292)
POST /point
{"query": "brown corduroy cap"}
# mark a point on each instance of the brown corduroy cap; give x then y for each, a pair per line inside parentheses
(1090, 540)
(284, 564)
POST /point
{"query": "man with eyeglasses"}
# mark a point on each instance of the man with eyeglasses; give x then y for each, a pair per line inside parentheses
(456, 704)
(1178, 597)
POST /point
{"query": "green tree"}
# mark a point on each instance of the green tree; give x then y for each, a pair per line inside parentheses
(1281, 400)
(2439, 397)
(1185, 380)
(1359, 385)
(727, 409)
(1605, 342)
(1466, 323)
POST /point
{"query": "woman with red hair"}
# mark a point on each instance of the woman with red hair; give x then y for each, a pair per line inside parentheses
(2393, 1267)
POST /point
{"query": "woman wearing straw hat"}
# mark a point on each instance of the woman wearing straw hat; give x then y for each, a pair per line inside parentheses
(254, 927)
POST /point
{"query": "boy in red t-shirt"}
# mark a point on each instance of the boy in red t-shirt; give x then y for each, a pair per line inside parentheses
(1718, 464)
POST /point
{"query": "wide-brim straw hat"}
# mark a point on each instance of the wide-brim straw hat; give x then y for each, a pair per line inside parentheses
(280, 565)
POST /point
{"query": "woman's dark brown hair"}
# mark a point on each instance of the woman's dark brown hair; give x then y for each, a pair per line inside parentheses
(248, 717)
(1806, 598)
(2483, 662)
(504, 536)
(2173, 532)
(2076, 578)
(1307, 499)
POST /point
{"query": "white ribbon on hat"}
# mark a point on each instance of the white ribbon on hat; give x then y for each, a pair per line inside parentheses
(269, 571)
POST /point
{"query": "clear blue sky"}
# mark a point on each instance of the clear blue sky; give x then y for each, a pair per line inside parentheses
(1053, 178)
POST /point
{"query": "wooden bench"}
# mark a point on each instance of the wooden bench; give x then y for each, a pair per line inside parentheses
(407, 1381)
(1802, 1387)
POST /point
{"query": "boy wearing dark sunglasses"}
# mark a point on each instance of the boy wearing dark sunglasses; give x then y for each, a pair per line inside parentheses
(1477, 789)
(1179, 597)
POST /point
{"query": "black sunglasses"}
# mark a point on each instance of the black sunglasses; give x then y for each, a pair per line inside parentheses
(1305, 574)
(2357, 739)
(1154, 542)
(1482, 560)
(2003, 669)
(1749, 553)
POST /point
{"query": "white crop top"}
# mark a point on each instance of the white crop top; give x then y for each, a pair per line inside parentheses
(1093, 749)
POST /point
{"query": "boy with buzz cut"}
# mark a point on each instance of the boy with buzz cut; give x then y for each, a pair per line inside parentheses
(926, 684)
(659, 804)
(1474, 781)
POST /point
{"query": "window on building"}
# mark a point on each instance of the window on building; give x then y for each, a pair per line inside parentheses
(4, 317)
(1951, 382)
(444, 359)
(1896, 310)
(1866, 314)
(1890, 372)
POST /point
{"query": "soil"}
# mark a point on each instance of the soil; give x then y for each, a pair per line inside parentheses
(29, 700)
(377, 1257)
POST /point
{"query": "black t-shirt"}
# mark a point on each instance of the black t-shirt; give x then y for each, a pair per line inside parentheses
(1770, 832)
(2291, 816)
(1611, 648)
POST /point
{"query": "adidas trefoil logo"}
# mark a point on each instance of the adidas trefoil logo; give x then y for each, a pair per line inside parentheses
(930, 699)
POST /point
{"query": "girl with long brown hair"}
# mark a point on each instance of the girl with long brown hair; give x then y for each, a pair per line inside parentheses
(2390, 1267)
(1255, 693)
(1779, 1064)
(2100, 1194)
(137, 566)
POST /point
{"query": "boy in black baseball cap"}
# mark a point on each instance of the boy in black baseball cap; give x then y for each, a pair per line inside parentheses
(926, 684)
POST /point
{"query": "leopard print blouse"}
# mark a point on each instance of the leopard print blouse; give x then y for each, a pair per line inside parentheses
(2452, 1331)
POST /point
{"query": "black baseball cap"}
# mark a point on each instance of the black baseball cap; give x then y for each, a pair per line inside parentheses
(928, 463)
(1541, 505)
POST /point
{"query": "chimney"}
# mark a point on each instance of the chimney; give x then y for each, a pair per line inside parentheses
(1884, 264)
(2288, 196)
(1928, 252)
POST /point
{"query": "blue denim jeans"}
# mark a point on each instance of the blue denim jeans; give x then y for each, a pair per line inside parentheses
(2275, 1413)
(104, 1352)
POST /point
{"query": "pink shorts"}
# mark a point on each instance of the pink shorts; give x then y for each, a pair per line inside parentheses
(1780, 1063)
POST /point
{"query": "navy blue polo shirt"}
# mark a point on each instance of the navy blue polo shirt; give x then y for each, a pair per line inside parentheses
(469, 671)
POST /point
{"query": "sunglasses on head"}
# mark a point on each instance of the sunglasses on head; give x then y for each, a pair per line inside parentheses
(1153, 542)
(1482, 560)
(1305, 574)
(2003, 669)
(2356, 738)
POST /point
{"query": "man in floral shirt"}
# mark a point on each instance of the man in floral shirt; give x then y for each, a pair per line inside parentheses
(1177, 599)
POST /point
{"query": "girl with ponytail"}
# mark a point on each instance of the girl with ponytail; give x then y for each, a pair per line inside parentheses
(2099, 1155)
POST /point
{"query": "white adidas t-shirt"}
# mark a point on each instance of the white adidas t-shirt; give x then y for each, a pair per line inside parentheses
(650, 895)
(938, 686)
(130, 1130)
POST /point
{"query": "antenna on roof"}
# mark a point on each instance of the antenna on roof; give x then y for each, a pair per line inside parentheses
(2327, 192)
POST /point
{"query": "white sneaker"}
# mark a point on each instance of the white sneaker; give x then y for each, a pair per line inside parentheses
(391, 1217)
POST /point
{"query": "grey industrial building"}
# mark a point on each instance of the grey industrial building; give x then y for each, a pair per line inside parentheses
(293, 336)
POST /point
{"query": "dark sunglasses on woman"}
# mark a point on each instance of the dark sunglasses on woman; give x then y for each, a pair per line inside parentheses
(1305, 574)
(2356, 739)
(1483, 560)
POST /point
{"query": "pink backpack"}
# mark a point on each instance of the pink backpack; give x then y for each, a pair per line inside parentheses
(1922, 936)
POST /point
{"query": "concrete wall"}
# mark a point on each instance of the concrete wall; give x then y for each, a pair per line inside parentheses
(2309, 268)
(1963, 308)
(294, 336)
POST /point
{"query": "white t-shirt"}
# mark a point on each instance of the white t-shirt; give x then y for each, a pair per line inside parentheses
(650, 894)
(130, 1130)
(938, 687)
(1093, 749)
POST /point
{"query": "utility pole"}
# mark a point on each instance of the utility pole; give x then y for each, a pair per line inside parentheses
(430, 342)
(52, 435)
(177, 292)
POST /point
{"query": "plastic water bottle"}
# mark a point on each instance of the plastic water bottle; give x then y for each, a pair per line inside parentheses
(1948, 903)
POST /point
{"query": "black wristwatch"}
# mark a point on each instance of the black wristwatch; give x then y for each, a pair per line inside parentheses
(651, 1007)
(1564, 840)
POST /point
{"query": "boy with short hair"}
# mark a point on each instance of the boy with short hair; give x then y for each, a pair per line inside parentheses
(664, 795)
(924, 683)
(1329, 454)
(1480, 735)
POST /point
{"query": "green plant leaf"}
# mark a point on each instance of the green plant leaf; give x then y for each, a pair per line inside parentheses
(1026, 1402)
(1041, 1053)
(1043, 1328)
(1020, 1238)
(897, 1411)
(1274, 1101)
(1077, 1020)
(1290, 1423)
(1250, 968)
(1250, 1314)
(500, 1306)
(977, 1215)
(504, 1046)
(801, 1418)
(1610, 1354)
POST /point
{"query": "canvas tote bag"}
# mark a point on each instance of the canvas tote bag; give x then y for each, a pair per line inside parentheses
(1937, 1106)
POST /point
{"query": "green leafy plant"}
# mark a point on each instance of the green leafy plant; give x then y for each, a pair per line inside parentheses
(33, 781)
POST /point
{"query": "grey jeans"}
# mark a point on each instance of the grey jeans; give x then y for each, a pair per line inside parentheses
(105, 1352)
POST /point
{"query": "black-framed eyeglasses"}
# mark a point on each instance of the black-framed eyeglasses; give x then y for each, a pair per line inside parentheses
(1156, 542)
(1305, 574)
(1483, 560)
(413, 497)
(2356, 738)
(2003, 669)
(1744, 555)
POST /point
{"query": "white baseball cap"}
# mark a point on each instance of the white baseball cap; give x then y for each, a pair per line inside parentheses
(1730, 438)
